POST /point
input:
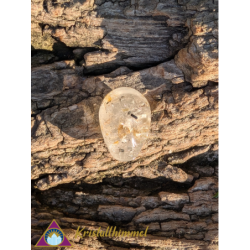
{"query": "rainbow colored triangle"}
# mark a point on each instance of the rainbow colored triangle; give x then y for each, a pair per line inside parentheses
(43, 243)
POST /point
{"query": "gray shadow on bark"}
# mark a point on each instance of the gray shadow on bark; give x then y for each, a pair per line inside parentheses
(60, 51)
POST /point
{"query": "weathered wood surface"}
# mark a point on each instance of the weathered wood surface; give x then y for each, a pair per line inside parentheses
(168, 51)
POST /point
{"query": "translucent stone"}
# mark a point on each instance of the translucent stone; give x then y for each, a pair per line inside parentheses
(125, 119)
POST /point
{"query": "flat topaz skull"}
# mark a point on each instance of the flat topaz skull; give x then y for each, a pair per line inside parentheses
(125, 119)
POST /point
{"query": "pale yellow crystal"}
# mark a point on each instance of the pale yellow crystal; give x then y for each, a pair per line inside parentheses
(125, 118)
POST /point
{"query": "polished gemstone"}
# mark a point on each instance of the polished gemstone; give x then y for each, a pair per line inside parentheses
(125, 118)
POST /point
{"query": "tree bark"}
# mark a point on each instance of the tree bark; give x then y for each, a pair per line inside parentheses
(168, 51)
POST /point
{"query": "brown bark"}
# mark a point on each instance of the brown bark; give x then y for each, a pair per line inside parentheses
(168, 51)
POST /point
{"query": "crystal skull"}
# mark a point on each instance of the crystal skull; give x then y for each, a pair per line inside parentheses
(125, 119)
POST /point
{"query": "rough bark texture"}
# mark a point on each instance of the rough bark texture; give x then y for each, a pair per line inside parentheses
(168, 51)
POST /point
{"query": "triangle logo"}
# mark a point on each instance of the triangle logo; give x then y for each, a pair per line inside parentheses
(53, 237)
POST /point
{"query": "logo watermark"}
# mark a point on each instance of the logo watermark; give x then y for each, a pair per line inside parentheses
(53, 237)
